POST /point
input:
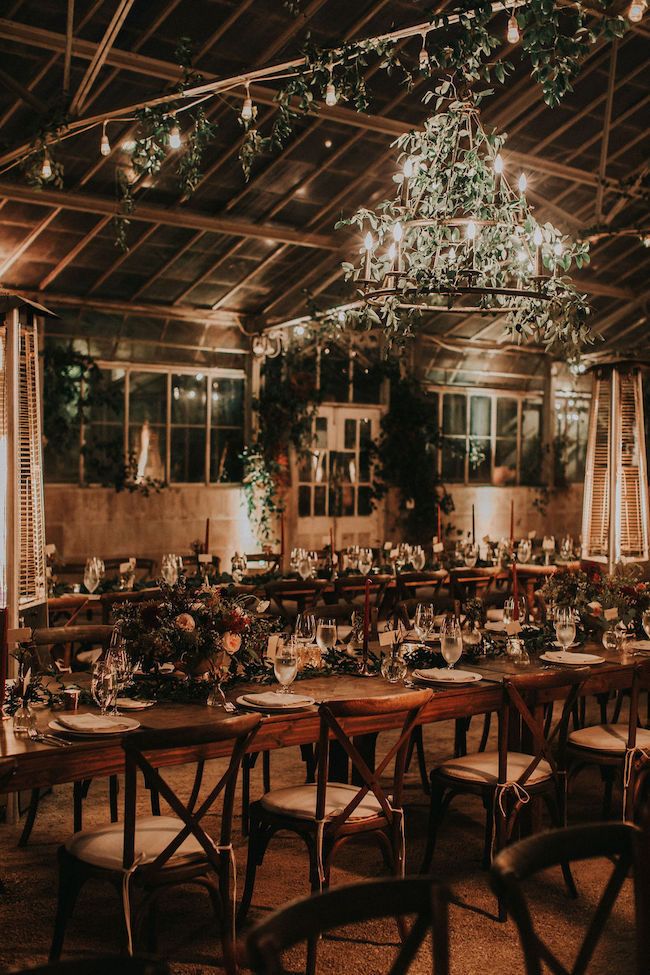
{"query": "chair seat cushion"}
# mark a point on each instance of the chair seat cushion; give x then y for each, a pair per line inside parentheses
(608, 738)
(483, 767)
(103, 846)
(299, 801)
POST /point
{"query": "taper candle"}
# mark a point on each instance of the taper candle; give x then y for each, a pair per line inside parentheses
(366, 614)
(512, 520)
(207, 535)
(473, 526)
(515, 592)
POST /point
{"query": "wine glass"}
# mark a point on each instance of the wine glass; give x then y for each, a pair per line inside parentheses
(285, 664)
(103, 685)
(610, 639)
(239, 564)
(470, 555)
(565, 626)
(365, 560)
(451, 640)
(127, 575)
(326, 634)
(424, 620)
(305, 628)
(169, 569)
(91, 574)
(548, 547)
(305, 567)
(509, 609)
(524, 551)
(566, 548)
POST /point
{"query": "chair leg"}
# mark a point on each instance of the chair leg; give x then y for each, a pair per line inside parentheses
(227, 909)
(113, 789)
(30, 818)
(309, 758)
(436, 810)
(487, 721)
(257, 844)
(247, 763)
(460, 737)
(266, 771)
(608, 774)
(79, 792)
(69, 886)
(556, 813)
(489, 833)
(422, 760)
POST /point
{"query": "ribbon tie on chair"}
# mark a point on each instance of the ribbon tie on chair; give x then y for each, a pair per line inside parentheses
(631, 755)
(499, 803)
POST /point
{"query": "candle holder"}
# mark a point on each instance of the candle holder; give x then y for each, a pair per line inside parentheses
(364, 668)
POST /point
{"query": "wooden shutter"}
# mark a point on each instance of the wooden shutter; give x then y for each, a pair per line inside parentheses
(616, 465)
(29, 475)
(4, 441)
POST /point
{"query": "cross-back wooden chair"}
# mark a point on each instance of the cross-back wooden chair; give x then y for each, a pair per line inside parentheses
(351, 588)
(151, 854)
(63, 638)
(621, 842)
(481, 582)
(109, 600)
(326, 815)
(616, 749)
(301, 595)
(506, 780)
(305, 919)
(100, 966)
(423, 586)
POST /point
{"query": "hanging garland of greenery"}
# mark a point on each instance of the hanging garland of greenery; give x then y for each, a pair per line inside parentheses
(285, 411)
(554, 39)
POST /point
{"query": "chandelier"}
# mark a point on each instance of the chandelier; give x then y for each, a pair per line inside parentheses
(459, 237)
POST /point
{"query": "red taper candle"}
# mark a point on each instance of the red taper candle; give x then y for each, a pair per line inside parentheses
(473, 526)
(512, 520)
(515, 592)
(207, 535)
(366, 614)
(439, 524)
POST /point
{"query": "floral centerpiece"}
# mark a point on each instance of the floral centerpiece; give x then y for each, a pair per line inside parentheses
(601, 599)
(202, 632)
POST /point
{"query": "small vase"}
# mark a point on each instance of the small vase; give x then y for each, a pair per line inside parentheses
(24, 720)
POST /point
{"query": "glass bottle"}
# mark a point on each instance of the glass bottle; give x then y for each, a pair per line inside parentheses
(24, 720)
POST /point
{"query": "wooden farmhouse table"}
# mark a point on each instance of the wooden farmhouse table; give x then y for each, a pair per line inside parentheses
(25, 764)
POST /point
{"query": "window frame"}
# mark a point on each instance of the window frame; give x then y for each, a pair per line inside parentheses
(209, 374)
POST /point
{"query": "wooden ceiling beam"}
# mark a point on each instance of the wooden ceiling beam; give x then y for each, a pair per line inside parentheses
(173, 217)
(98, 59)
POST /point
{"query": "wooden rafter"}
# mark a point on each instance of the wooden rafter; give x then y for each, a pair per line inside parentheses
(607, 124)
(99, 57)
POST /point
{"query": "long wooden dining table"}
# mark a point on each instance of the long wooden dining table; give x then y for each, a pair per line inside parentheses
(27, 764)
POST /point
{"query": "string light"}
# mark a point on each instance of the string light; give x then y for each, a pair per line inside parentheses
(513, 36)
(636, 11)
(46, 168)
(175, 137)
(424, 60)
(523, 183)
(398, 232)
(247, 107)
(471, 230)
(104, 145)
(498, 164)
(331, 96)
(537, 237)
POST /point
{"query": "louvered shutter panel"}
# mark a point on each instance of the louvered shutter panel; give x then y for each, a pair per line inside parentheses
(4, 440)
(616, 471)
(31, 581)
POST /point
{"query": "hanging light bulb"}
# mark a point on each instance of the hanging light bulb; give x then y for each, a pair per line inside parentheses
(498, 164)
(331, 95)
(523, 183)
(636, 11)
(174, 137)
(471, 230)
(424, 60)
(46, 168)
(247, 107)
(398, 232)
(104, 145)
(537, 237)
(513, 35)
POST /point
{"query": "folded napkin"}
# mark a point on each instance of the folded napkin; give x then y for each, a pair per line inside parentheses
(638, 645)
(495, 627)
(495, 615)
(344, 632)
(273, 699)
(441, 673)
(90, 722)
(566, 657)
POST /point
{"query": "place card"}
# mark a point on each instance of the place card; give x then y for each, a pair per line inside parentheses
(272, 646)
(513, 627)
(610, 614)
(438, 547)
(387, 638)
(531, 535)
(50, 549)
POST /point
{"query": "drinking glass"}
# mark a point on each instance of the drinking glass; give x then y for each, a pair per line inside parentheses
(610, 639)
(509, 609)
(452, 640)
(365, 561)
(424, 620)
(91, 574)
(393, 665)
(524, 551)
(127, 576)
(566, 548)
(565, 626)
(305, 567)
(548, 547)
(419, 559)
(239, 564)
(645, 619)
(285, 665)
(119, 659)
(169, 569)
(326, 634)
(470, 555)
(104, 685)
(305, 628)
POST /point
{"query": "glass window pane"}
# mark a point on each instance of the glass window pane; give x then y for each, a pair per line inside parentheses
(350, 434)
(453, 458)
(341, 500)
(227, 402)
(506, 417)
(531, 419)
(479, 460)
(62, 463)
(505, 461)
(365, 502)
(530, 464)
(365, 432)
(106, 396)
(147, 450)
(304, 501)
(148, 397)
(321, 432)
(364, 465)
(225, 449)
(343, 467)
(188, 399)
(366, 383)
(103, 454)
(480, 411)
(334, 376)
(320, 497)
(187, 454)
(454, 413)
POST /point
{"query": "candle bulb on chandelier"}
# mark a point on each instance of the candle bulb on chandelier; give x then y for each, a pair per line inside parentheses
(408, 172)
(498, 171)
(398, 233)
(636, 11)
(174, 137)
(522, 183)
(46, 168)
(367, 243)
(331, 96)
(537, 240)
(512, 35)
(247, 107)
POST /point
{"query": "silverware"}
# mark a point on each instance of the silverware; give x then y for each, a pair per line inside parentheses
(44, 739)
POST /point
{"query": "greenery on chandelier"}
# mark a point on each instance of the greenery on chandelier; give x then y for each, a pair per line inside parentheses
(75, 391)
(285, 411)
(457, 227)
(554, 40)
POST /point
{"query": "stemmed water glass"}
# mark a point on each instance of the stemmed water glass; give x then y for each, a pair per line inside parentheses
(470, 555)
(305, 628)
(566, 548)
(305, 566)
(103, 685)
(285, 664)
(93, 573)
(365, 560)
(565, 626)
(451, 643)
(326, 634)
(524, 551)
(548, 547)
(169, 568)
(509, 609)
(424, 622)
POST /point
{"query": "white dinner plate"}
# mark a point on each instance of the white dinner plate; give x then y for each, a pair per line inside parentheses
(571, 659)
(130, 704)
(124, 726)
(267, 705)
(557, 644)
(440, 675)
